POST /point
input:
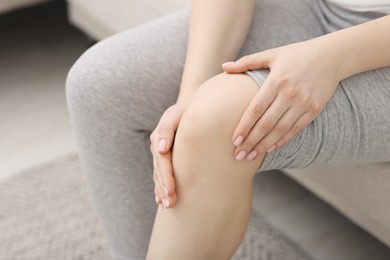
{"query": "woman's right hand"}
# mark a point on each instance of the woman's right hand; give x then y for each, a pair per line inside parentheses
(162, 139)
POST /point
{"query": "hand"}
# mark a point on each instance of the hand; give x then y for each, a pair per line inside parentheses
(303, 77)
(161, 143)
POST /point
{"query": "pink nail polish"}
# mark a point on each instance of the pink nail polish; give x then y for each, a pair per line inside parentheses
(272, 148)
(162, 144)
(251, 155)
(238, 140)
(240, 155)
(227, 63)
(166, 203)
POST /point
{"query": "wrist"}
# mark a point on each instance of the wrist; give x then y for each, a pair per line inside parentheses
(341, 56)
(334, 56)
(184, 99)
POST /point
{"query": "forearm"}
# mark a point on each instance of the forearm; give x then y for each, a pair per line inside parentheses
(217, 31)
(360, 48)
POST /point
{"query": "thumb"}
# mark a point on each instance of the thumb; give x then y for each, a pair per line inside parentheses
(166, 132)
(248, 62)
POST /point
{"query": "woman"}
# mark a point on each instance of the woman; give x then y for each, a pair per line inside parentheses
(312, 88)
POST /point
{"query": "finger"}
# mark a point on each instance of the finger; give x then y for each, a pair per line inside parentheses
(256, 108)
(248, 62)
(300, 124)
(157, 189)
(165, 177)
(166, 173)
(172, 200)
(157, 181)
(160, 171)
(264, 126)
(166, 131)
(282, 127)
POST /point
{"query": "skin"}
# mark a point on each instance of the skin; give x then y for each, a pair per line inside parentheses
(210, 28)
(194, 191)
(214, 190)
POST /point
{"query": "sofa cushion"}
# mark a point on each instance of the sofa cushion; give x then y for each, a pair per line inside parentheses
(362, 193)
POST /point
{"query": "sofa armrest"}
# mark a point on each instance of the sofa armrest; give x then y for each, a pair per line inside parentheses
(101, 18)
(10, 5)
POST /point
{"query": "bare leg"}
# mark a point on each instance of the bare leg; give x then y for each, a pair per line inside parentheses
(214, 189)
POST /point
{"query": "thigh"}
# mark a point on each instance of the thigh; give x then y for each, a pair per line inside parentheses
(135, 75)
(278, 22)
(116, 93)
(353, 128)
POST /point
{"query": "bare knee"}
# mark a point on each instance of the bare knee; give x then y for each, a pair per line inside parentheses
(204, 136)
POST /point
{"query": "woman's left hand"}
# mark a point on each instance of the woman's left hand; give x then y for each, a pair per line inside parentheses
(303, 76)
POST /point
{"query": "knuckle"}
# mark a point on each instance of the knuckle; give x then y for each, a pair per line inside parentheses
(245, 58)
(281, 129)
(243, 128)
(315, 108)
(303, 101)
(266, 126)
(295, 130)
(290, 93)
(163, 130)
(261, 147)
(258, 110)
(281, 142)
(245, 61)
(249, 145)
(165, 174)
(280, 80)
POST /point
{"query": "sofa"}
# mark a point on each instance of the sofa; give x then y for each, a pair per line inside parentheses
(362, 193)
(11, 5)
(100, 19)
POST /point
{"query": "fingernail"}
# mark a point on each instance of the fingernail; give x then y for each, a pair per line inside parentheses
(156, 199)
(166, 190)
(238, 140)
(162, 144)
(251, 155)
(227, 63)
(272, 148)
(166, 203)
(240, 155)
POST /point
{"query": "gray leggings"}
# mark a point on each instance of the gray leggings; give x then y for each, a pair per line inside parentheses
(118, 90)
